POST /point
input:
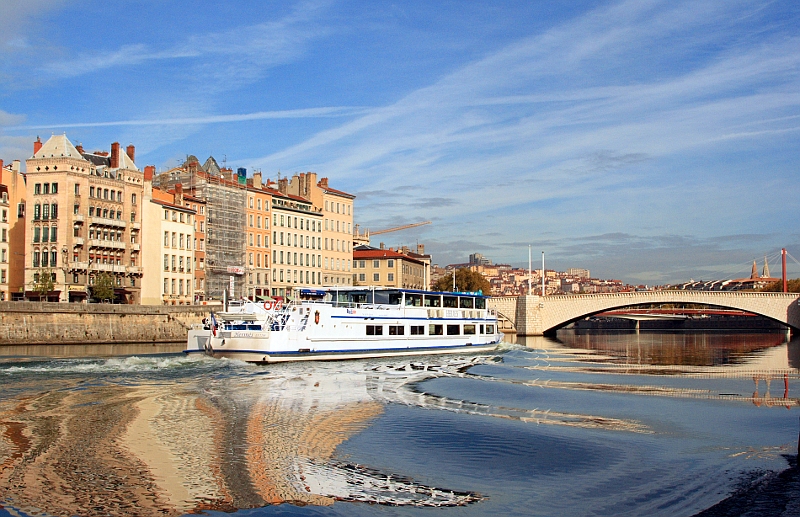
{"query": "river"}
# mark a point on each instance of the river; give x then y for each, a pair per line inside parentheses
(587, 423)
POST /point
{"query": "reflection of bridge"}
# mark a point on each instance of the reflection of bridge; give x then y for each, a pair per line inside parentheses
(536, 315)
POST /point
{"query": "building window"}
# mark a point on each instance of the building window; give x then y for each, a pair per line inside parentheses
(37, 189)
(37, 232)
(390, 277)
(54, 189)
(376, 277)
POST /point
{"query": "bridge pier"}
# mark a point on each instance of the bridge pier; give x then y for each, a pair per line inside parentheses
(529, 316)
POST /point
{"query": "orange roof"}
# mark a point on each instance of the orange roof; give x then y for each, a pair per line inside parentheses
(379, 254)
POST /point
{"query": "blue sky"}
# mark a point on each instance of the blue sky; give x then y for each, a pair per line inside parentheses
(650, 141)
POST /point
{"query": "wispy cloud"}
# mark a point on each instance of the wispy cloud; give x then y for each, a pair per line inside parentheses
(334, 111)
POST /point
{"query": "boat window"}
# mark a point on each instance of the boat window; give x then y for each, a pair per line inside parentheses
(417, 330)
(358, 297)
(469, 330)
(453, 330)
(395, 298)
(432, 300)
(435, 330)
(490, 329)
(380, 297)
(414, 300)
(450, 301)
(480, 303)
(374, 330)
(481, 329)
(396, 330)
(466, 303)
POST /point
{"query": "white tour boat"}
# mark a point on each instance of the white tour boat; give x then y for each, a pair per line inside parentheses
(352, 323)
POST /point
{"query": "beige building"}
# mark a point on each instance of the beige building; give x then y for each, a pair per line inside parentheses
(169, 228)
(337, 232)
(388, 268)
(83, 220)
(296, 243)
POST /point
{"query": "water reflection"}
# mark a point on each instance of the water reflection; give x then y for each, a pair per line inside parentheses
(769, 359)
(222, 444)
(676, 349)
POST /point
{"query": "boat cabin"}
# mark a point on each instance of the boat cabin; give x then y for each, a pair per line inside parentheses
(395, 297)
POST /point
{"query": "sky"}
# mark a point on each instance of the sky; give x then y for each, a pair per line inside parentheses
(649, 141)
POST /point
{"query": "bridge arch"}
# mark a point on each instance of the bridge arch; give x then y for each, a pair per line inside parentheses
(539, 315)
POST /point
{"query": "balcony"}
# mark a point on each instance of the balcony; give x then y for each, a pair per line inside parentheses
(136, 225)
(77, 241)
(134, 270)
(95, 243)
(135, 246)
(77, 218)
(111, 268)
(104, 221)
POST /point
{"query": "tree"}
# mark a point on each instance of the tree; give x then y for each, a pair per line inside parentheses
(466, 281)
(45, 284)
(793, 286)
(103, 288)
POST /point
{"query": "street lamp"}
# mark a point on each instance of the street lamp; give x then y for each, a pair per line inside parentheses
(64, 267)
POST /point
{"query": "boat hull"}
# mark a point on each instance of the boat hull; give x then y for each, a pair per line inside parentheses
(262, 357)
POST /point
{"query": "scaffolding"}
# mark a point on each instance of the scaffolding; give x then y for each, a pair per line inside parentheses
(225, 195)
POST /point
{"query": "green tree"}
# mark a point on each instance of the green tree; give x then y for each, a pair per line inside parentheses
(466, 281)
(793, 286)
(45, 284)
(103, 288)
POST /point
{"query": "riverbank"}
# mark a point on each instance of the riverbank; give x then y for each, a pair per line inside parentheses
(44, 323)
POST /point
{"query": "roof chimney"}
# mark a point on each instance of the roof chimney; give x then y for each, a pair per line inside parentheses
(79, 147)
(37, 145)
(149, 172)
(114, 155)
(130, 151)
(323, 183)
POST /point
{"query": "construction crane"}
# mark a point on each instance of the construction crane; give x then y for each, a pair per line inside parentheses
(398, 228)
(363, 239)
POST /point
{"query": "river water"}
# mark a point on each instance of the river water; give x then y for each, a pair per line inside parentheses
(583, 424)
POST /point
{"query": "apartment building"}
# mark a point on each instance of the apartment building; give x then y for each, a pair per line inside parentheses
(168, 236)
(199, 207)
(259, 203)
(14, 182)
(83, 220)
(337, 232)
(296, 243)
(225, 196)
(387, 268)
(5, 294)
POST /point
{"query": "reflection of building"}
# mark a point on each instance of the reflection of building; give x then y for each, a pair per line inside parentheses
(170, 451)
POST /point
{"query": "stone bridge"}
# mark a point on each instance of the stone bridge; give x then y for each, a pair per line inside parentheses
(536, 315)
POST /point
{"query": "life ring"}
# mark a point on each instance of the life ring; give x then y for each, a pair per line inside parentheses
(267, 306)
(316, 317)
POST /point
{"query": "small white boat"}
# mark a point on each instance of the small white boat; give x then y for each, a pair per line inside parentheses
(352, 323)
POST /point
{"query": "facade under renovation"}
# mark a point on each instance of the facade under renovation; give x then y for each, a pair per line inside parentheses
(224, 194)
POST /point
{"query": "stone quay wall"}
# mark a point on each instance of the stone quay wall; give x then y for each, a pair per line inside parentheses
(31, 323)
